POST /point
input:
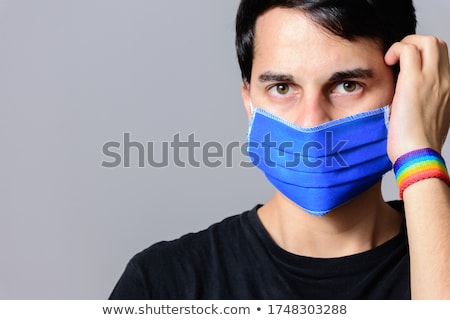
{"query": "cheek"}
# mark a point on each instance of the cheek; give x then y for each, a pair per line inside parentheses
(380, 98)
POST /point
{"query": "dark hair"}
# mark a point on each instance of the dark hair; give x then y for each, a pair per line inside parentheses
(387, 21)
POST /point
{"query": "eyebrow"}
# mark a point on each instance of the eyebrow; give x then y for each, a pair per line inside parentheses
(358, 73)
(351, 74)
(279, 77)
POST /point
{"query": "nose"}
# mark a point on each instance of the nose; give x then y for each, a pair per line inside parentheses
(312, 110)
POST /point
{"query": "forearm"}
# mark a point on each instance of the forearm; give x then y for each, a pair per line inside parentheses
(427, 209)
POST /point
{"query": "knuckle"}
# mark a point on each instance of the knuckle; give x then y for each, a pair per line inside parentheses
(411, 48)
(432, 40)
(435, 43)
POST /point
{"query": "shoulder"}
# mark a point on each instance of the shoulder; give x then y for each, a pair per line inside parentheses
(195, 246)
(177, 268)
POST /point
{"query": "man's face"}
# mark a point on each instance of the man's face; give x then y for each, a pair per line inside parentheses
(307, 76)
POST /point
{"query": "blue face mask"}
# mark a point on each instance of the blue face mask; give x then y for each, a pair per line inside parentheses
(320, 168)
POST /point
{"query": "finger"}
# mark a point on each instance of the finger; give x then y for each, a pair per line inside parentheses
(445, 61)
(433, 52)
(407, 54)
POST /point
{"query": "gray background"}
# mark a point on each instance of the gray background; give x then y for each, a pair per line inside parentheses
(77, 74)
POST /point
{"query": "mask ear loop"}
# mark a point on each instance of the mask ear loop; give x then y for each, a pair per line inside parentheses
(252, 107)
(252, 118)
(387, 115)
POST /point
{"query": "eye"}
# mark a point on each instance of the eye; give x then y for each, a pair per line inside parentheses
(348, 87)
(280, 89)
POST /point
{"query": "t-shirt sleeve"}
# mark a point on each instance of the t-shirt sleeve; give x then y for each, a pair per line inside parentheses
(131, 285)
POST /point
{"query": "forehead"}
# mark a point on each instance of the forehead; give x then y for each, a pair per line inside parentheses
(288, 38)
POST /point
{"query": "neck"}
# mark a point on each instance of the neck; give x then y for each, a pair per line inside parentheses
(357, 226)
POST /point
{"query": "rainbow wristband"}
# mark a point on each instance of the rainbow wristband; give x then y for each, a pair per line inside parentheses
(419, 165)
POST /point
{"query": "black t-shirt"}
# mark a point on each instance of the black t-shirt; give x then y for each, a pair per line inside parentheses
(237, 259)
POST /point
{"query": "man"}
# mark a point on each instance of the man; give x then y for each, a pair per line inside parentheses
(322, 81)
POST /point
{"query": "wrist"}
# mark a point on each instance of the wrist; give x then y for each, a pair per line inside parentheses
(418, 165)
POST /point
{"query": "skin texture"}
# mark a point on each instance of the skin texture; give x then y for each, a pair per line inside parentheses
(305, 75)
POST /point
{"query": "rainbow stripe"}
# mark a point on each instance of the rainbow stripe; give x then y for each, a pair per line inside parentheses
(419, 165)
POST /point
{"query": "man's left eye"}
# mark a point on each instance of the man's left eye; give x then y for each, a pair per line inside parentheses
(348, 87)
(280, 89)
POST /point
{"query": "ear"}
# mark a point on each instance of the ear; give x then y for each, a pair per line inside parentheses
(245, 92)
